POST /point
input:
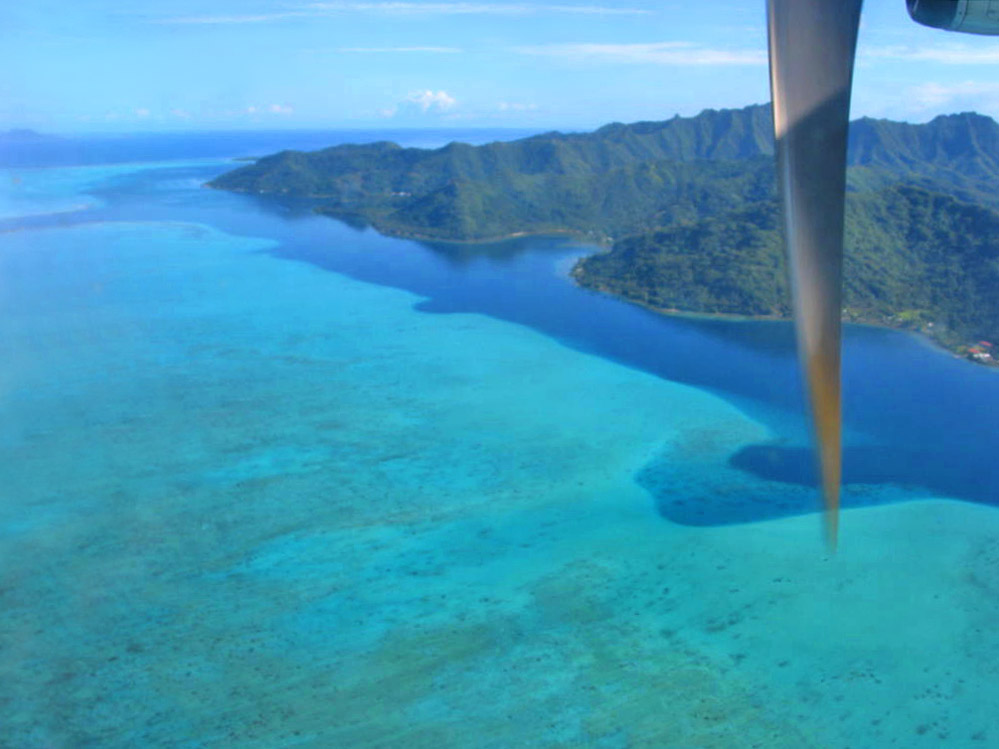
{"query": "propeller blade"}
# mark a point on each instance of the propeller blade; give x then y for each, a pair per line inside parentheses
(812, 46)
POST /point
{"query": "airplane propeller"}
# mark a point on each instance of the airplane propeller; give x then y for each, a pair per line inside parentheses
(812, 48)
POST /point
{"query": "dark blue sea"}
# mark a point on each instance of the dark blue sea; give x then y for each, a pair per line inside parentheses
(268, 479)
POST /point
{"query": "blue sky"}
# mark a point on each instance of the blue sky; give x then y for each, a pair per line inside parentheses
(90, 65)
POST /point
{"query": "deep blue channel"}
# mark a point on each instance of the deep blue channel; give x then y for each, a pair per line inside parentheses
(916, 418)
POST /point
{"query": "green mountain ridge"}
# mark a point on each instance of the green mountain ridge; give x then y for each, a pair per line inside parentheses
(690, 206)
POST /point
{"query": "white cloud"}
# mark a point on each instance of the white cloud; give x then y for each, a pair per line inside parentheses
(411, 8)
(253, 110)
(420, 104)
(375, 50)
(928, 99)
(977, 95)
(181, 113)
(950, 54)
(651, 53)
(142, 112)
(431, 101)
(515, 106)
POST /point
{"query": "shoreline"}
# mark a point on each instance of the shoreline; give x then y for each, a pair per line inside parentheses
(604, 241)
(605, 244)
(921, 335)
(486, 240)
(414, 236)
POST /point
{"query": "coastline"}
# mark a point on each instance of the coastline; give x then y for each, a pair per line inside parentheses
(920, 334)
(604, 244)
(602, 241)
(485, 240)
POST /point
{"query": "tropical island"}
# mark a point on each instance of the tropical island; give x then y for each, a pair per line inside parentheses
(24, 135)
(689, 213)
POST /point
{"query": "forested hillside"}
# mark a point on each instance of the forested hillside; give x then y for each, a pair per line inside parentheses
(690, 207)
(615, 181)
(912, 258)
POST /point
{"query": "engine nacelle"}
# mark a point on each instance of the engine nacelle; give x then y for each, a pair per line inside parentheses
(969, 16)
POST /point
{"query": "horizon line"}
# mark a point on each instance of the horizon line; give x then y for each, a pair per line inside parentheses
(372, 126)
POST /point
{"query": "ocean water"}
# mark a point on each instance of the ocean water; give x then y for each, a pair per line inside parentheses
(270, 480)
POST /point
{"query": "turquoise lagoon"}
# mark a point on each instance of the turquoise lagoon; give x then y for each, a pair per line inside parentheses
(268, 480)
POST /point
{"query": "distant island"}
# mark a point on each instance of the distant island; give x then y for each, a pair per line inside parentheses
(689, 212)
(24, 135)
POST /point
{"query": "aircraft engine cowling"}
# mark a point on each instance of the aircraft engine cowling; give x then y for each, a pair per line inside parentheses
(969, 16)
